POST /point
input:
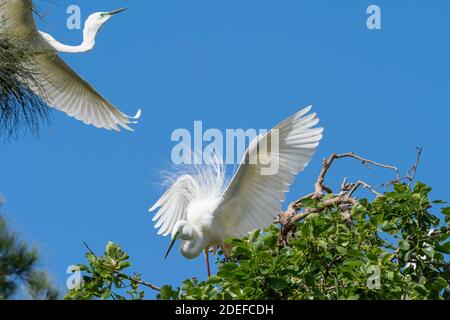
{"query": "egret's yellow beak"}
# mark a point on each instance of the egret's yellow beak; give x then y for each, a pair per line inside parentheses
(172, 242)
(117, 11)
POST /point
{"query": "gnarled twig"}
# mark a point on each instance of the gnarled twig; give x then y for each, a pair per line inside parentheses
(344, 200)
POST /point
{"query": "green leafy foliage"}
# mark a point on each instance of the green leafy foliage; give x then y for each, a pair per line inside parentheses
(104, 278)
(19, 269)
(393, 248)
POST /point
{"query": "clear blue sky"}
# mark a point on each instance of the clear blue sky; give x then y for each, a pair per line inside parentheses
(231, 64)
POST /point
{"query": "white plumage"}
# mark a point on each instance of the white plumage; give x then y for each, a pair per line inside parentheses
(202, 211)
(57, 83)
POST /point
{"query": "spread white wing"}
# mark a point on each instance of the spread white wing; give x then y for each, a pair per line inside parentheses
(173, 204)
(254, 196)
(66, 91)
(57, 83)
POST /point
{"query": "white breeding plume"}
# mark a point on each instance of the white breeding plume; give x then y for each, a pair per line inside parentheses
(202, 211)
(57, 83)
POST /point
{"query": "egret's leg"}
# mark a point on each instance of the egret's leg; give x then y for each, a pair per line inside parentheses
(207, 261)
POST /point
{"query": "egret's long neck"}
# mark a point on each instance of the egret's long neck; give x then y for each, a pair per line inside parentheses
(190, 249)
(88, 43)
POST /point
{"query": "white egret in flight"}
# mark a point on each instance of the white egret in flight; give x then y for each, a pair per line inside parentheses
(202, 211)
(57, 84)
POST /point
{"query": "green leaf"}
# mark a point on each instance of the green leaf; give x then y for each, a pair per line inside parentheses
(111, 247)
(233, 241)
(124, 265)
(106, 295)
(429, 251)
(309, 279)
(322, 244)
(439, 283)
(446, 211)
(254, 235)
(353, 263)
(445, 248)
(166, 293)
(357, 210)
(420, 289)
(229, 266)
(214, 280)
(91, 258)
(241, 250)
(389, 226)
(277, 283)
(308, 203)
(328, 197)
(422, 189)
(82, 267)
(404, 245)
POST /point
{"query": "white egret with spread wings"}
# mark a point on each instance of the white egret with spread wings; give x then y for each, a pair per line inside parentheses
(53, 80)
(203, 211)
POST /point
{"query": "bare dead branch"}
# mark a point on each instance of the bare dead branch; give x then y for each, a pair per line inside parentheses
(361, 183)
(412, 172)
(319, 186)
(344, 200)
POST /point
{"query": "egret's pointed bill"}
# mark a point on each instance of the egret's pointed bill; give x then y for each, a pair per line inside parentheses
(117, 11)
(172, 242)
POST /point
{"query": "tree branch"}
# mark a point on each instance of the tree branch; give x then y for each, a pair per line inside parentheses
(344, 200)
(139, 281)
(319, 186)
(361, 183)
